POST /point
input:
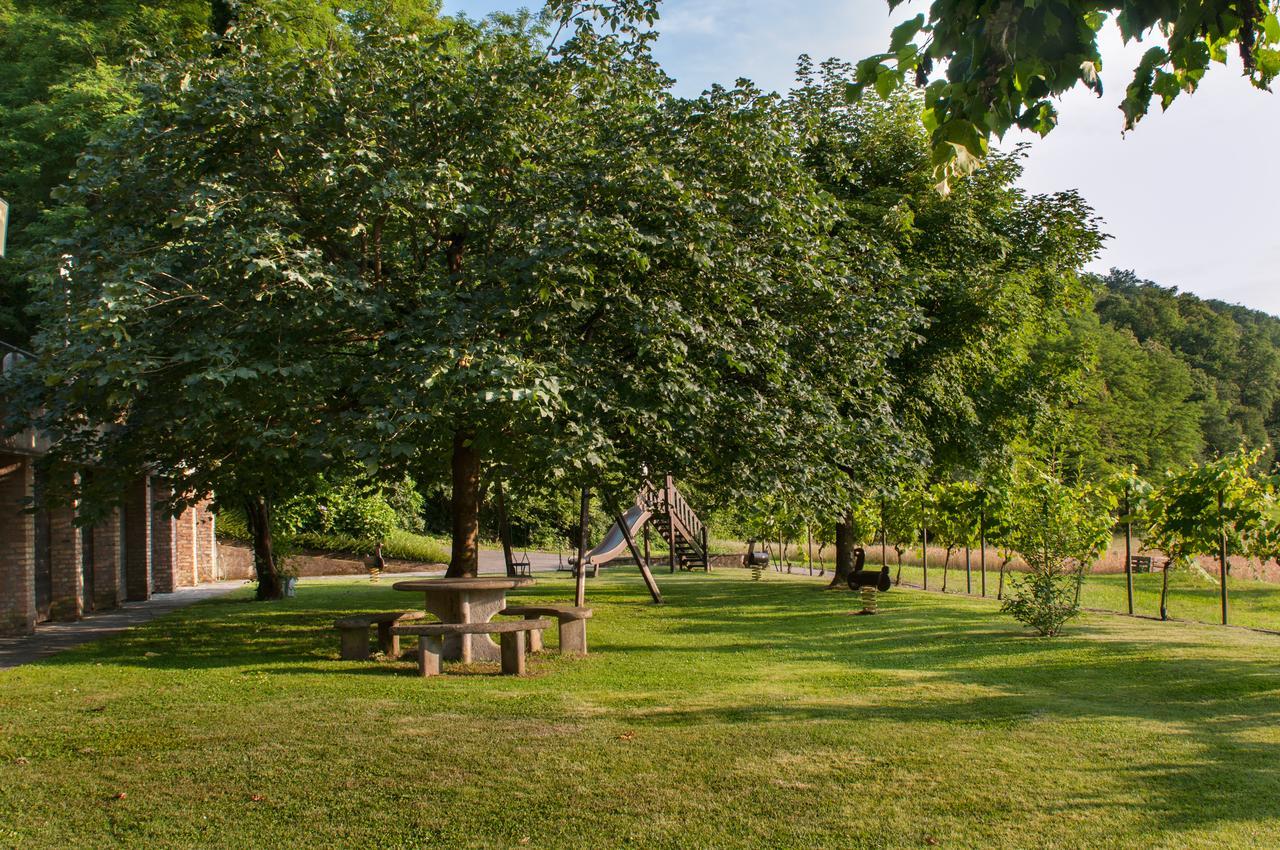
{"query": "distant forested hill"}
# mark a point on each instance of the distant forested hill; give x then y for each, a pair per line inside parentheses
(1178, 377)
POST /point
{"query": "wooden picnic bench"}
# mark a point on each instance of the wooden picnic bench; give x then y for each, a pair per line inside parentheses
(1141, 564)
(572, 620)
(355, 633)
(511, 635)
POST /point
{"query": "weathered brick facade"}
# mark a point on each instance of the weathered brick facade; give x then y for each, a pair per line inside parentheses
(135, 551)
(184, 549)
(108, 563)
(164, 539)
(137, 540)
(195, 547)
(206, 544)
(66, 560)
(17, 547)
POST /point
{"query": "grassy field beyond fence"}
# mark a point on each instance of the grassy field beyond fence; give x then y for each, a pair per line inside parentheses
(1192, 595)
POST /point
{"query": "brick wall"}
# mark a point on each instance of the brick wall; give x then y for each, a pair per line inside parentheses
(184, 549)
(206, 544)
(137, 540)
(66, 561)
(108, 566)
(163, 541)
(17, 547)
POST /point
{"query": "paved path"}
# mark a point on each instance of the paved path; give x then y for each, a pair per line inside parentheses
(51, 638)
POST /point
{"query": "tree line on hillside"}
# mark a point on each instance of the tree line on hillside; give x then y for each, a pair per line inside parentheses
(389, 243)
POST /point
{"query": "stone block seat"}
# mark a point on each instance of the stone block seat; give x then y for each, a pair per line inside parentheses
(573, 625)
(511, 637)
(355, 633)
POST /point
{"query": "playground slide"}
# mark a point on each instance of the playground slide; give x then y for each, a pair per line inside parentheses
(614, 544)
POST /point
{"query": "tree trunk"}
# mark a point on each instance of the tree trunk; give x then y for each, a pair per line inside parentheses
(1164, 590)
(465, 507)
(897, 579)
(504, 531)
(221, 17)
(946, 563)
(580, 576)
(257, 511)
(1000, 586)
(845, 544)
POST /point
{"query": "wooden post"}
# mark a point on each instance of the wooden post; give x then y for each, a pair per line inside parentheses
(635, 553)
(668, 495)
(924, 550)
(1128, 550)
(580, 584)
(982, 547)
(968, 571)
(884, 537)
(1222, 555)
(808, 533)
(706, 548)
(504, 530)
(646, 543)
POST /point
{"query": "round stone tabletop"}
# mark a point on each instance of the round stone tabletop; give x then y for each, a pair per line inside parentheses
(463, 584)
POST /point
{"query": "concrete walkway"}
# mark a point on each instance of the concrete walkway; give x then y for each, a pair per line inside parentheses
(52, 638)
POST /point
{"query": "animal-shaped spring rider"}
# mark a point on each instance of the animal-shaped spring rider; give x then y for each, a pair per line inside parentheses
(868, 582)
(757, 560)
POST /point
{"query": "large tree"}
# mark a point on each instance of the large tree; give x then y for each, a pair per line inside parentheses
(460, 244)
(976, 287)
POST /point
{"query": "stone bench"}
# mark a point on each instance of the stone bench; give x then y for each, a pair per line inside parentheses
(511, 636)
(355, 633)
(573, 625)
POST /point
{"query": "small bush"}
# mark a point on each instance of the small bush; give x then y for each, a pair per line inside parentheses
(1043, 600)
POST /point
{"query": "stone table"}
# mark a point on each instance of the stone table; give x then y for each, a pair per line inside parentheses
(466, 600)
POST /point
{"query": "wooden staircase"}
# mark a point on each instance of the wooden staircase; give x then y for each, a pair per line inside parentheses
(675, 520)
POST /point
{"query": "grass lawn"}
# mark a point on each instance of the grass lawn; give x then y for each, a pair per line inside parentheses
(739, 714)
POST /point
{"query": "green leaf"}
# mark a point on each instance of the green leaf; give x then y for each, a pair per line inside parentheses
(1271, 28)
(887, 81)
(904, 32)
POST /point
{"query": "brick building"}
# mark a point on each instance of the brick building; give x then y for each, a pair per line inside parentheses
(51, 568)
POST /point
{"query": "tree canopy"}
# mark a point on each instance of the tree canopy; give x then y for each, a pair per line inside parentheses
(66, 74)
(988, 66)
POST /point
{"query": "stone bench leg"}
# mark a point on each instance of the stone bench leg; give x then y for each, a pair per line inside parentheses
(387, 642)
(355, 643)
(534, 643)
(430, 650)
(573, 637)
(513, 653)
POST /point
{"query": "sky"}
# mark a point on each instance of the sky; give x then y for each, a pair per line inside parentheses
(1191, 198)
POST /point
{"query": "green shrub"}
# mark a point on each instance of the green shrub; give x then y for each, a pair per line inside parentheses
(1045, 601)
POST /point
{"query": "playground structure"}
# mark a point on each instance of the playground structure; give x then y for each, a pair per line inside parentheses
(669, 513)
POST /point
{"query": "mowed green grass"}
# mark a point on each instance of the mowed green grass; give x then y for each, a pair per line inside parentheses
(739, 714)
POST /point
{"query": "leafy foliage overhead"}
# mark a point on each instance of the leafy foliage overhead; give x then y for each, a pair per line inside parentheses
(991, 65)
(65, 75)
